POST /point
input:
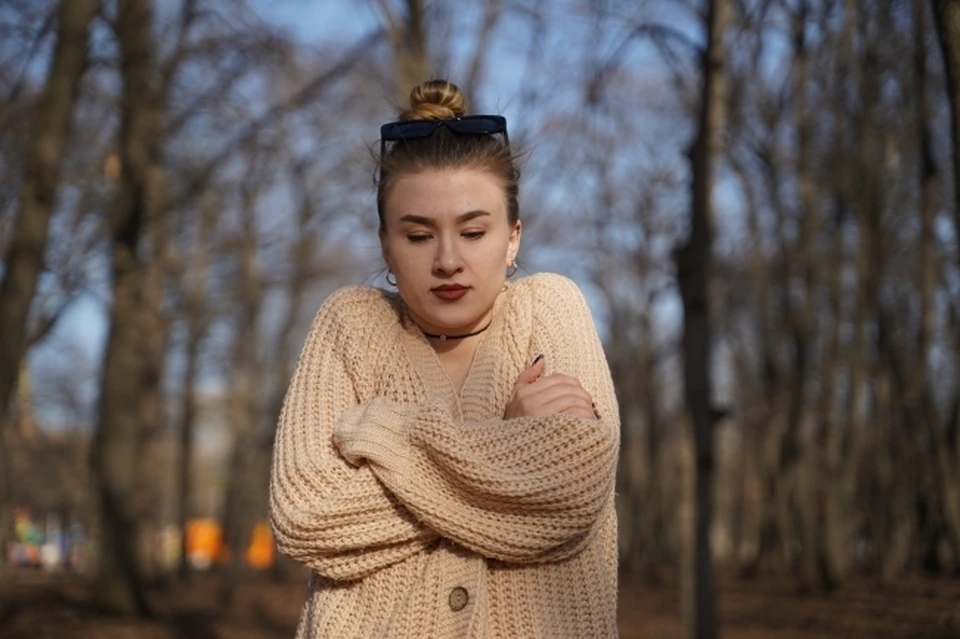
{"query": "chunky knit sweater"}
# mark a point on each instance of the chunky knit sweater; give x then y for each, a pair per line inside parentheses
(420, 510)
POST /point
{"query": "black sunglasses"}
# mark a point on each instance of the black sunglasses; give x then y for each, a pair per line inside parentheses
(468, 125)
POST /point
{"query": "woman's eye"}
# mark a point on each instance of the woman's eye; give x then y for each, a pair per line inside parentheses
(474, 235)
(418, 238)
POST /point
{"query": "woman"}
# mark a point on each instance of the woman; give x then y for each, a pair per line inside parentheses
(445, 458)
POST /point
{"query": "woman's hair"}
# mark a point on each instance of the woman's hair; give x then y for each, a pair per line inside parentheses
(444, 149)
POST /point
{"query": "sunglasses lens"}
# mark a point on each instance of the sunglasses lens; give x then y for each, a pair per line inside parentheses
(408, 129)
(480, 124)
(472, 124)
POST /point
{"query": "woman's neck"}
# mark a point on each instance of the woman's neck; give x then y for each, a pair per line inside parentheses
(463, 346)
(447, 339)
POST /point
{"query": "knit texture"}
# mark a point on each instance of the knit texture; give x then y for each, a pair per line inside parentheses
(400, 493)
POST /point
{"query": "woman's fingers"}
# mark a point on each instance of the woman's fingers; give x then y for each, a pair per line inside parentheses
(545, 389)
(532, 374)
(544, 384)
(535, 395)
(548, 401)
(573, 404)
(551, 395)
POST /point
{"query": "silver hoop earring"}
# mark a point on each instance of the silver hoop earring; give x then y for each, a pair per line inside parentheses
(512, 269)
(392, 282)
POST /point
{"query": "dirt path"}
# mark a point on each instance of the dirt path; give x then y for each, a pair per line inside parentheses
(911, 608)
(38, 607)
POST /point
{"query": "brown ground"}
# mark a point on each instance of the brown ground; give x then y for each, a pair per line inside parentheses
(35, 606)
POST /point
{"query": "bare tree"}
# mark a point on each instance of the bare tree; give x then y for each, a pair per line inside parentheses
(492, 12)
(244, 401)
(801, 456)
(947, 18)
(947, 439)
(407, 30)
(40, 182)
(198, 318)
(38, 191)
(116, 451)
(694, 267)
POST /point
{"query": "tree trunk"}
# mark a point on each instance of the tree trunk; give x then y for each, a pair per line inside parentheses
(116, 453)
(153, 330)
(188, 411)
(412, 56)
(409, 38)
(651, 507)
(645, 545)
(492, 11)
(947, 18)
(694, 264)
(814, 570)
(197, 320)
(840, 503)
(243, 489)
(41, 176)
(928, 179)
(761, 538)
(748, 513)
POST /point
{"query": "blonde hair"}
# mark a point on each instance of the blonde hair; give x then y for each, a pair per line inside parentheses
(435, 100)
(443, 149)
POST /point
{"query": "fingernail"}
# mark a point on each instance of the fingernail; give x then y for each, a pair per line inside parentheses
(539, 357)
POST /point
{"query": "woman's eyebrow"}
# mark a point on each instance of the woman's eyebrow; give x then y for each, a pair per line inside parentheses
(429, 221)
(472, 215)
(418, 219)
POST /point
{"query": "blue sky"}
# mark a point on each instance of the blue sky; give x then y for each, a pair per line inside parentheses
(316, 21)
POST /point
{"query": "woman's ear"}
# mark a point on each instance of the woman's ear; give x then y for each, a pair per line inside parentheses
(513, 246)
(384, 249)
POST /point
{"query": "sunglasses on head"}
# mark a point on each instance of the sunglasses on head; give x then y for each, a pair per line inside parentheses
(468, 125)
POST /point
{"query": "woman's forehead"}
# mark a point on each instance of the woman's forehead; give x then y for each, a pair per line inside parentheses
(453, 196)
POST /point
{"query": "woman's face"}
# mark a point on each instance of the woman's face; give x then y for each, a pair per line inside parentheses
(448, 242)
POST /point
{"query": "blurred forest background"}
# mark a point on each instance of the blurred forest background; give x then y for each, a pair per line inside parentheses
(758, 196)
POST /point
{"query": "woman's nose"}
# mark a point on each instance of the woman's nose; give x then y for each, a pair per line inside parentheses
(448, 260)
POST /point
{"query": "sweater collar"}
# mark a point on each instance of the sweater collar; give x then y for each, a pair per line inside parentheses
(427, 365)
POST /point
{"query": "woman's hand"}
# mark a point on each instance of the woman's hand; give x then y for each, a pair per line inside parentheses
(535, 395)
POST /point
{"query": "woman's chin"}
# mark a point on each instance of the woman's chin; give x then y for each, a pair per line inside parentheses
(450, 325)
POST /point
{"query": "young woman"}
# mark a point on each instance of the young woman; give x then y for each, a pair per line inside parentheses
(445, 458)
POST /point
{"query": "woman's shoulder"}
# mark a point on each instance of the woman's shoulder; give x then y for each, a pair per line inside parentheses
(548, 287)
(360, 306)
(550, 300)
(359, 295)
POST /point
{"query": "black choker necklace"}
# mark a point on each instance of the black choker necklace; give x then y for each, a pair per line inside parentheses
(444, 338)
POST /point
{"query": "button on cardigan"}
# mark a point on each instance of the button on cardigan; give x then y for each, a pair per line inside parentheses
(420, 510)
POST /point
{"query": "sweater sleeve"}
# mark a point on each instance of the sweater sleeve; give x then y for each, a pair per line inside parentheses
(337, 519)
(521, 490)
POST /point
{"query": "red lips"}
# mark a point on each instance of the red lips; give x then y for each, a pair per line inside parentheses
(450, 292)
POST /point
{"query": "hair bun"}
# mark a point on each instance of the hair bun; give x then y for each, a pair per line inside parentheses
(435, 100)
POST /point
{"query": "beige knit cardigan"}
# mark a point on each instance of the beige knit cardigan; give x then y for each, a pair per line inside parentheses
(420, 510)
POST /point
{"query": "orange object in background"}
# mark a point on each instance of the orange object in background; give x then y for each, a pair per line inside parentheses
(259, 553)
(206, 546)
(204, 543)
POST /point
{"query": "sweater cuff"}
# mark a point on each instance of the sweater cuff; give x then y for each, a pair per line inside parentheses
(375, 431)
